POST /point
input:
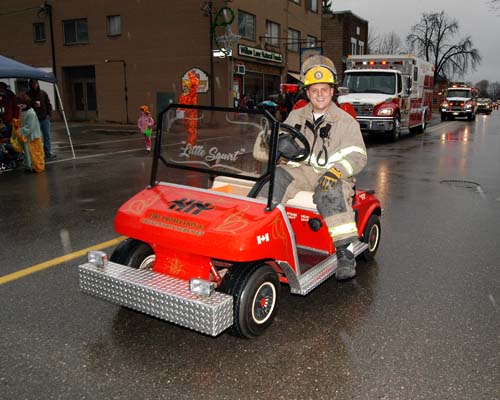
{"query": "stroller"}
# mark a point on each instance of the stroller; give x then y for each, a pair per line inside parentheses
(9, 157)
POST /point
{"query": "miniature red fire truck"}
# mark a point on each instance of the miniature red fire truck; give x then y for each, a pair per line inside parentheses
(204, 251)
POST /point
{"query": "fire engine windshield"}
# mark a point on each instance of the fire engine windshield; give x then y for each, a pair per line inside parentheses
(370, 82)
(458, 93)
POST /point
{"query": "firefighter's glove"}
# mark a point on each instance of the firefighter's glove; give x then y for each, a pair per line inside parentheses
(329, 179)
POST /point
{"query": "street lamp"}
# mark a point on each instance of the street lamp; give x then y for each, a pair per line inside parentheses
(125, 82)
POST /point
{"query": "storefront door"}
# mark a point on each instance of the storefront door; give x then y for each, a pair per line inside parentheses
(84, 96)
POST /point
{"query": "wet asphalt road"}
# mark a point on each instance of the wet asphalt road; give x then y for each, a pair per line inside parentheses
(421, 322)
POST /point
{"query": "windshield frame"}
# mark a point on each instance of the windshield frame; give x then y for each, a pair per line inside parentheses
(462, 90)
(268, 174)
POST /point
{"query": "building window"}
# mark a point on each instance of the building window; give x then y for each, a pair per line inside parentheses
(76, 31)
(272, 33)
(114, 24)
(353, 46)
(295, 1)
(311, 41)
(39, 32)
(246, 25)
(361, 47)
(312, 5)
(293, 40)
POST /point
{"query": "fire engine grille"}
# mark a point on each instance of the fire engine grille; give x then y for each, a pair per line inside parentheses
(158, 295)
(457, 105)
(363, 110)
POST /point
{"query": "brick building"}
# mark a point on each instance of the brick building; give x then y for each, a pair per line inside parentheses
(150, 45)
(343, 33)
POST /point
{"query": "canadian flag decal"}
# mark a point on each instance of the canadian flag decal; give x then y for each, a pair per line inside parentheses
(263, 238)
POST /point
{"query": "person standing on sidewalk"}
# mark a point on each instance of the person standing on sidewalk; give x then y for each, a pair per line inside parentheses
(43, 108)
(145, 124)
(29, 132)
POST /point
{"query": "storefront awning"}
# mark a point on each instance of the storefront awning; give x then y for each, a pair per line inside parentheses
(294, 75)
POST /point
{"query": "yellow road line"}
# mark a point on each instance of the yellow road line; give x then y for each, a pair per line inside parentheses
(59, 260)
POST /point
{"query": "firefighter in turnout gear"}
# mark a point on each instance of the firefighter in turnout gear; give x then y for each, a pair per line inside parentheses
(338, 153)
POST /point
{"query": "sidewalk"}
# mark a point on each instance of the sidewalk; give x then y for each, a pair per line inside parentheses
(92, 138)
(58, 127)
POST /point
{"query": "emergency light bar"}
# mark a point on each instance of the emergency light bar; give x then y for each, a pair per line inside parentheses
(379, 64)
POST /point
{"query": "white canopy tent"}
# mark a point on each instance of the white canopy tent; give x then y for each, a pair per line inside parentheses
(14, 69)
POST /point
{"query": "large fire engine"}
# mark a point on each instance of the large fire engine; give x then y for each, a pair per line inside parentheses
(389, 92)
(460, 100)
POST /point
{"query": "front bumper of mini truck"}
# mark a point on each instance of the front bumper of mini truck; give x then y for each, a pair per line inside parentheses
(158, 295)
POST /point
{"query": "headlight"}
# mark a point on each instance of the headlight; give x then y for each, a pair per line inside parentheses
(385, 111)
(201, 287)
(98, 258)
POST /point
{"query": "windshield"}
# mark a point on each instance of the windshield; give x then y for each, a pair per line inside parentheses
(370, 82)
(458, 93)
(210, 142)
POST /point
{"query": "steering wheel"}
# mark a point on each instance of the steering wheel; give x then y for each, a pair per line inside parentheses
(288, 146)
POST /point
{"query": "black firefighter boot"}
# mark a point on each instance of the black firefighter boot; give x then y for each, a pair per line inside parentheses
(346, 267)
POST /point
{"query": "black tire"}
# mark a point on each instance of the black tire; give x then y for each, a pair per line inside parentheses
(444, 117)
(371, 235)
(256, 290)
(395, 133)
(423, 127)
(134, 253)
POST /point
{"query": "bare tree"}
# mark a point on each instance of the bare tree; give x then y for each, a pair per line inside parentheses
(432, 39)
(495, 90)
(483, 86)
(327, 6)
(373, 41)
(391, 43)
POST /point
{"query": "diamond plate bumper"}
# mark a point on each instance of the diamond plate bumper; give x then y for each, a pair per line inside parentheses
(158, 295)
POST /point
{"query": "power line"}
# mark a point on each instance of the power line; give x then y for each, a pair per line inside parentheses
(15, 12)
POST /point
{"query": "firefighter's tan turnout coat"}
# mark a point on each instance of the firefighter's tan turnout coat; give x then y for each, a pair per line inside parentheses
(336, 142)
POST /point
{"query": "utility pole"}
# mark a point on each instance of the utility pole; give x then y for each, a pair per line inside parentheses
(48, 9)
(211, 79)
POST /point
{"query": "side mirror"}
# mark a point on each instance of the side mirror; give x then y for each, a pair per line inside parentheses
(343, 90)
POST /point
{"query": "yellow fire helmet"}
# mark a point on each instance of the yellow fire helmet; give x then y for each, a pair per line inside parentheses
(318, 69)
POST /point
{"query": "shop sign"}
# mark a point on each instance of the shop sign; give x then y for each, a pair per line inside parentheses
(265, 55)
(202, 77)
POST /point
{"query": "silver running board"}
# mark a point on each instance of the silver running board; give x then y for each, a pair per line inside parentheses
(158, 295)
(315, 276)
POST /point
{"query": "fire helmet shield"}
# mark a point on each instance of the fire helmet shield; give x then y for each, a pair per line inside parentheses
(324, 70)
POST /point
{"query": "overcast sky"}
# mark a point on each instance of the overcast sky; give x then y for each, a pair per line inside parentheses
(475, 18)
